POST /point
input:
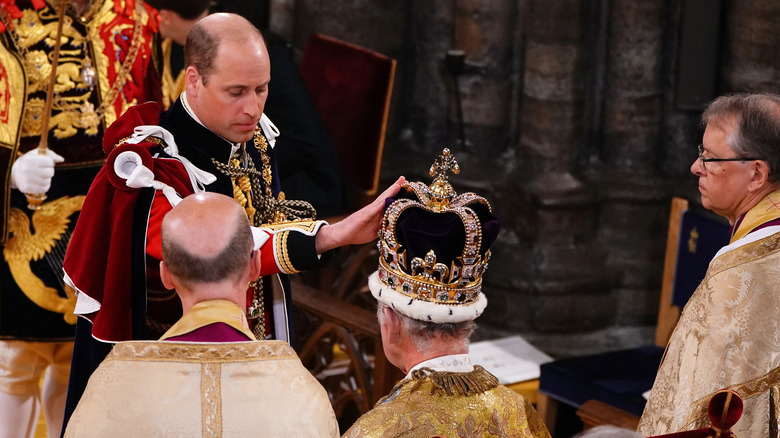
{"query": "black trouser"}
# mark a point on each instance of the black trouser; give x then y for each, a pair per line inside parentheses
(88, 353)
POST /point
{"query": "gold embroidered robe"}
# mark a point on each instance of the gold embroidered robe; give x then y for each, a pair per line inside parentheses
(728, 336)
(418, 407)
(183, 389)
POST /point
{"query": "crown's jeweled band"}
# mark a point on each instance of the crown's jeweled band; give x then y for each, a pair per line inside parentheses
(419, 289)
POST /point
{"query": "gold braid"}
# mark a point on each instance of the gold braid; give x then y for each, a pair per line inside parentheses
(247, 180)
(253, 191)
(465, 384)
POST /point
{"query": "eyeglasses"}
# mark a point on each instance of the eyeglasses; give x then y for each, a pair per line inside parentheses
(705, 160)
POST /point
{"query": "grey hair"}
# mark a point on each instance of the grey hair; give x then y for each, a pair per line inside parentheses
(423, 333)
(757, 134)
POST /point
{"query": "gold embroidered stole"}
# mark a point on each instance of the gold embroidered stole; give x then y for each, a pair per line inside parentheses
(209, 312)
(765, 211)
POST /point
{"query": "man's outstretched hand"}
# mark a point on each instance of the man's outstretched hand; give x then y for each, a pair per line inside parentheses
(359, 227)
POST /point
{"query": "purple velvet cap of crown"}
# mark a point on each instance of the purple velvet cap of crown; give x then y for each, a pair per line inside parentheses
(420, 230)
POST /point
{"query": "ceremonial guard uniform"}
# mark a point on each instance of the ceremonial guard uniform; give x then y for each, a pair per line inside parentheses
(107, 62)
(434, 249)
(172, 55)
(187, 158)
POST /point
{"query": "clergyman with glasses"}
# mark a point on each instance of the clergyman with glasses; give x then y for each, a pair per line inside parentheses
(728, 334)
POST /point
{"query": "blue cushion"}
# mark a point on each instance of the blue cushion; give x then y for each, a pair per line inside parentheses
(617, 378)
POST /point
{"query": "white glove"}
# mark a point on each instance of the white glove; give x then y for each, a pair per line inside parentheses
(33, 171)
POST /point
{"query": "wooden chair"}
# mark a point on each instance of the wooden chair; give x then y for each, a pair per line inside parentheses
(594, 413)
(617, 379)
(342, 346)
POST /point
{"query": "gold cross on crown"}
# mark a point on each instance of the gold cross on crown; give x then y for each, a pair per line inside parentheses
(441, 190)
(443, 164)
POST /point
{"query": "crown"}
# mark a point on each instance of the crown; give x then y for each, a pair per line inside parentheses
(434, 249)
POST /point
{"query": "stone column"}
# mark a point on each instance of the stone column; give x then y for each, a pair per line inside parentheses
(752, 40)
(626, 169)
(568, 293)
(371, 24)
(553, 95)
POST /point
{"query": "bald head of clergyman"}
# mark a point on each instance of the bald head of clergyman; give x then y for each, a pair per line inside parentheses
(207, 250)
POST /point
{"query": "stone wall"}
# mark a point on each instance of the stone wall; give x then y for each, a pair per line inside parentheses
(572, 130)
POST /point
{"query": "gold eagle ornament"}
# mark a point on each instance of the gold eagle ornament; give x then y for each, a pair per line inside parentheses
(24, 245)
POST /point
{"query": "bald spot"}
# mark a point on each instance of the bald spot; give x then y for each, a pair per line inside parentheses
(230, 27)
(200, 223)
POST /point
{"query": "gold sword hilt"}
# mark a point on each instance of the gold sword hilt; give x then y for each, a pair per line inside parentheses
(35, 200)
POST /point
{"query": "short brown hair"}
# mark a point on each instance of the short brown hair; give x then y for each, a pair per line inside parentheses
(201, 46)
